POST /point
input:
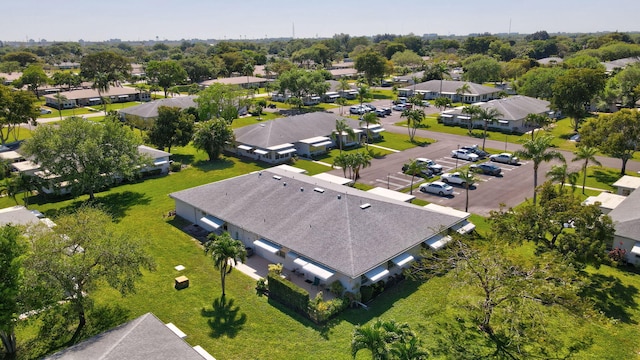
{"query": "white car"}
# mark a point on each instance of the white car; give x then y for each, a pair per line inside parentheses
(464, 155)
(452, 178)
(400, 107)
(437, 187)
(436, 168)
(504, 158)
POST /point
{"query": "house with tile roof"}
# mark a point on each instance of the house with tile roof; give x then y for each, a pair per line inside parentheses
(325, 231)
(306, 135)
(430, 90)
(514, 111)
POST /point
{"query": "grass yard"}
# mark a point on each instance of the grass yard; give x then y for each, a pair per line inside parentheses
(311, 167)
(251, 120)
(401, 141)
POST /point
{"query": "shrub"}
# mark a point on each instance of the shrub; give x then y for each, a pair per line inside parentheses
(366, 293)
(261, 286)
(288, 293)
(275, 269)
(336, 288)
(175, 166)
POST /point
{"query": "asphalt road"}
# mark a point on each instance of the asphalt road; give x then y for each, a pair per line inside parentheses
(511, 188)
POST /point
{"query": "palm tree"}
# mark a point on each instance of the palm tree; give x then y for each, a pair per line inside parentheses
(343, 161)
(342, 128)
(560, 173)
(102, 84)
(60, 99)
(363, 93)
(414, 119)
(442, 102)
(464, 89)
(415, 167)
(225, 252)
(343, 85)
(472, 111)
(379, 337)
(361, 159)
(415, 80)
(440, 69)
(587, 154)
(538, 151)
(342, 102)
(409, 350)
(367, 120)
(538, 121)
(468, 178)
(488, 115)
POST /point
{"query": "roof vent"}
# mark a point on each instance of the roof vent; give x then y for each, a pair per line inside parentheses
(320, 190)
(260, 173)
(339, 196)
(365, 205)
(301, 189)
(284, 184)
(277, 177)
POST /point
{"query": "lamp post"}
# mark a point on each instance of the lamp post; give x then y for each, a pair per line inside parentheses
(505, 142)
(457, 157)
(388, 174)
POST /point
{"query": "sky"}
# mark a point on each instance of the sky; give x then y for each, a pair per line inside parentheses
(136, 20)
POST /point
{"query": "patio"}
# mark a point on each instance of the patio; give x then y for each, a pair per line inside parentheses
(257, 267)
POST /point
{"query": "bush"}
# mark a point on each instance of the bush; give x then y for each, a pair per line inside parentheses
(322, 311)
(366, 293)
(336, 288)
(288, 293)
(261, 287)
(175, 166)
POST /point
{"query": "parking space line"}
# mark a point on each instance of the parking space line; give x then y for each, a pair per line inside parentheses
(390, 183)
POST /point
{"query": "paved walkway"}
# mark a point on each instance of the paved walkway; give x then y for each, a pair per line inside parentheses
(326, 164)
(384, 148)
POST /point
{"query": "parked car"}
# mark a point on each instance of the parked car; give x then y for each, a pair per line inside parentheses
(476, 150)
(505, 158)
(371, 107)
(452, 178)
(425, 103)
(358, 110)
(464, 155)
(426, 172)
(400, 107)
(380, 113)
(387, 111)
(437, 187)
(486, 168)
(436, 168)
(45, 111)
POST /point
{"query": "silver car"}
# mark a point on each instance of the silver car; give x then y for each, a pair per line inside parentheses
(437, 187)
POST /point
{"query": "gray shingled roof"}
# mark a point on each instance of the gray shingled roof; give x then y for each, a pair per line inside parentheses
(450, 87)
(627, 217)
(154, 153)
(143, 338)
(290, 129)
(513, 108)
(150, 109)
(17, 215)
(330, 227)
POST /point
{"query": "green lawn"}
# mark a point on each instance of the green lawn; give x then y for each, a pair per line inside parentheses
(87, 109)
(251, 120)
(401, 141)
(311, 167)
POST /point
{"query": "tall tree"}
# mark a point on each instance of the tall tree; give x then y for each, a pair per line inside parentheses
(372, 64)
(415, 168)
(480, 69)
(586, 153)
(16, 107)
(560, 173)
(104, 69)
(537, 150)
(166, 74)
(173, 127)
(225, 252)
(34, 77)
(414, 120)
(86, 154)
(614, 134)
(366, 121)
(488, 115)
(472, 111)
(342, 129)
(364, 92)
(574, 89)
(508, 306)
(218, 99)
(469, 179)
(12, 251)
(212, 136)
(442, 102)
(83, 250)
(60, 99)
(538, 121)
(463, 89)
(538, 82)
(361, 160)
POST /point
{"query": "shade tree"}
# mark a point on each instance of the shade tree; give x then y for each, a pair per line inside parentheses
(166, 74)
(173, 127)
(212, 136)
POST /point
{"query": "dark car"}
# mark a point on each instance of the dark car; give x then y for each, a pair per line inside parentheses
(425, 172)
(486, 168)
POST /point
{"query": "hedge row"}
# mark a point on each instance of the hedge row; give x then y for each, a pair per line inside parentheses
(288, 293)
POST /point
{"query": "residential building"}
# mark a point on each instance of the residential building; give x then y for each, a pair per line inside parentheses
(450, 89)
(626, 218)
(147, 112)
(306, 135)
(145, 337)
(243, 81)
(91, 97)
(325, 231)
(514, 111)
(626, 185)
(159, 158)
